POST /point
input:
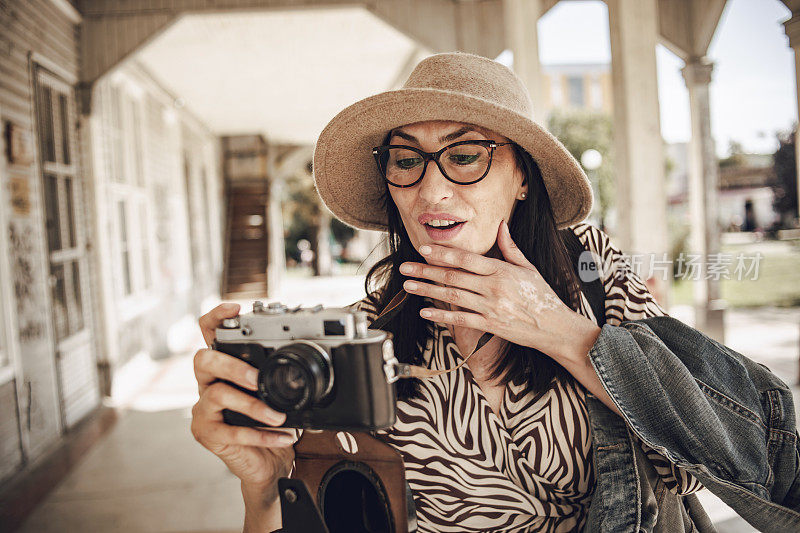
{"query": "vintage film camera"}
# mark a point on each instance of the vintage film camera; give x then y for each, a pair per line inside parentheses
(321, 366)
(327, 370)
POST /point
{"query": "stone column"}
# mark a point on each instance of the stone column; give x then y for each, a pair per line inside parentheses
(792, 29)
(522, 38)
(703, 199)
(273, 215)
(323, 262)
(276, 262)
(641, 192)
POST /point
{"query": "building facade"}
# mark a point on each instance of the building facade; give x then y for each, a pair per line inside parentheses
(576, 86)
(111, 216)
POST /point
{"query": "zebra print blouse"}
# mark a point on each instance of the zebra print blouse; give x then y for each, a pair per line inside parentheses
(528, 468)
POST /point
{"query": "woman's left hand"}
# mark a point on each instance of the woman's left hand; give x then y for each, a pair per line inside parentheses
(508, 298)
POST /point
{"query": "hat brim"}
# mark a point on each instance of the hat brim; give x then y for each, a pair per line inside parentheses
(351, 186)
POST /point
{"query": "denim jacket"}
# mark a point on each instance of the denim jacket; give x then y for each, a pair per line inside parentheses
(723, 417)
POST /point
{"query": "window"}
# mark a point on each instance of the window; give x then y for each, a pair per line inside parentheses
(128, 186)
(115, 133)
(137, 145)
(144, 247)
(46, 127)
(575, 88)
(596, 92)
(62, 245)
(206, 205)
(556, 90)
(124, 248)
(63, 112)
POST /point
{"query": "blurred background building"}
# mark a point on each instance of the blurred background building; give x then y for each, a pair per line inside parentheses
(156, 158)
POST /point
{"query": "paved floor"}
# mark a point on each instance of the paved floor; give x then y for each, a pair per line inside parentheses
(149, 475)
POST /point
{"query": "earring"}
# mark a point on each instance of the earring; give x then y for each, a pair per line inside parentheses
(523, 196)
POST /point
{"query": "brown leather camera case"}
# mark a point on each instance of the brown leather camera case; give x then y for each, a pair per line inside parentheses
(317, 452)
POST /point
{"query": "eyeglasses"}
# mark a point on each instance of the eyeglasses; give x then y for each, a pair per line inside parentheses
(463, 162)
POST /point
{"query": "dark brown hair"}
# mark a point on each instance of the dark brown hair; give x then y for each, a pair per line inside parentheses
(534, 231)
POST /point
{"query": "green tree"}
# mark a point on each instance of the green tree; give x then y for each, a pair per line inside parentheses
(736, 157)
(785, 187)
(301, 210)
(341, 232)
(306, 218)
(581, 130)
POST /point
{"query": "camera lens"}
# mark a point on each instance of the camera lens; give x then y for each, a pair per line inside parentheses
(295, 376)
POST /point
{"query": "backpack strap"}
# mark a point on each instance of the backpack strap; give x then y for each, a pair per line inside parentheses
(593, 289)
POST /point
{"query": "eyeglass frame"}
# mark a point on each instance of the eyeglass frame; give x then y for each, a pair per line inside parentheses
(378, 152)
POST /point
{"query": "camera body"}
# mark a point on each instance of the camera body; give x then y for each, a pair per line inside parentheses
(321, 366)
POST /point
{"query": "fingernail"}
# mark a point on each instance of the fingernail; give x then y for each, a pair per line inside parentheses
(275, 418)
(405, 269)
(424, 313)
(425, 250)
(285, 439)
(410, 285)
(252, 377)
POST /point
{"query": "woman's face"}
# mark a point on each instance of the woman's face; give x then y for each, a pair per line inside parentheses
(479, 207)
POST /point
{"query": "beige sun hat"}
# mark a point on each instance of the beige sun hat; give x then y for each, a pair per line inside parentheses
(452, 86)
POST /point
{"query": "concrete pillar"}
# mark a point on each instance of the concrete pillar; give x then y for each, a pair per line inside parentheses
(796, 48)
(522, 38)
(277, 255)
(323, 262)
(641, 192)
(792, 29)
(703, 198)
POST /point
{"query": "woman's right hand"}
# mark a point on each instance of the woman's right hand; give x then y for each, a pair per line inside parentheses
(256, 456)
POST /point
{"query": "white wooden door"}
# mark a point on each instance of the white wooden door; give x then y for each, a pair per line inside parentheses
(11, 446)
(65, 228)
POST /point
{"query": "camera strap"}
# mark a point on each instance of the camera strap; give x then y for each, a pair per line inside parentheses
(405, 370)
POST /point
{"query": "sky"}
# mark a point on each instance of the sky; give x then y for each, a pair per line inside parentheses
(752, 89)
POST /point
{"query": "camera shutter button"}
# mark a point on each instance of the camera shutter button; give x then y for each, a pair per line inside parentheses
(230, 323)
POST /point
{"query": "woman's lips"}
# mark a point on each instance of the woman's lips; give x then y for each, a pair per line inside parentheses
(443, 234)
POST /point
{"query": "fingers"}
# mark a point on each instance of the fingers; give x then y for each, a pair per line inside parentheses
(210, 321)
(210, 366)
(221, 396)
(213, 436)
(444, 275)
(456, 318)
(509, 248)
(210, 430)
(471, 262)
(453, 295)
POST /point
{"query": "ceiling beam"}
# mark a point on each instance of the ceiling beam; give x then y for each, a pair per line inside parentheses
(445, 25)
(104, 8)
(792, 25)
(705, 19)
(432, 24)
(547, 5)
(793, 5)
(687, 27)
(114, 30)
(674, 22)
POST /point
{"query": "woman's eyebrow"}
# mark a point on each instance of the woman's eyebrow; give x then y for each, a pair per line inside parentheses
(445, 138)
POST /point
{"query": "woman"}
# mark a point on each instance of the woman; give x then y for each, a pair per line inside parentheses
(480, 204)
